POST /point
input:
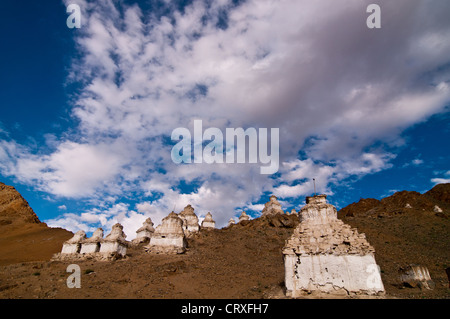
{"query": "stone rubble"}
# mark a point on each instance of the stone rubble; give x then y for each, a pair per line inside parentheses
(325, 255)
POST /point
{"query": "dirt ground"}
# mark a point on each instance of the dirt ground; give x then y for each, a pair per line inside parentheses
(241, 262)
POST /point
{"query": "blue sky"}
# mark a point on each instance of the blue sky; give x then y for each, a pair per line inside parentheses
(86, 114)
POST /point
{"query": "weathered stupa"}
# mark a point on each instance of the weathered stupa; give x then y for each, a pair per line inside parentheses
(272, 207)
(208, 222)
(92, 244)
(327, 256)
(190, 220)
(144, 233)
(168, 237)
(115, 242)
(243, 217)
(231, 222)
(73, 245)
(113, 247)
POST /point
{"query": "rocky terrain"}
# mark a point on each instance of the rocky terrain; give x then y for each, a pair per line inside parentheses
(241, 261)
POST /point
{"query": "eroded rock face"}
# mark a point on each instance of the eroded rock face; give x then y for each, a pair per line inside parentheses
(272, 207)
(208, 222)
(327, 256)
(169, 237)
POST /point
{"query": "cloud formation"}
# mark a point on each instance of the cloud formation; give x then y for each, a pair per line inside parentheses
(338, 91)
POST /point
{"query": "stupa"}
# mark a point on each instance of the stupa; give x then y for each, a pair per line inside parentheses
(115, 242)
(243, 217)
(231, 222)
(208, 222)
(272, 207)
(324, 255)
(144, 233)
(92, 244)
(168, 237)
(190, 220)
(73, 245)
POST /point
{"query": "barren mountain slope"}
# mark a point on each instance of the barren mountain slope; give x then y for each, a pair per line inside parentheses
(22, 236)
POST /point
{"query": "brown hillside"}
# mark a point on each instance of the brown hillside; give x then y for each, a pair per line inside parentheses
(22, 236)
(361, 207)
(403, 235)
(440, 192)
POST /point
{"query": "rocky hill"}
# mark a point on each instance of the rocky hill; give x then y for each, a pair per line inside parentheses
(23, 237)
(436, 201)
(407, 228)
(14, 209)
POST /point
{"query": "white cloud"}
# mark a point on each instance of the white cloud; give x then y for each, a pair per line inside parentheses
(304, 171)
(310, 68)
(440, 180)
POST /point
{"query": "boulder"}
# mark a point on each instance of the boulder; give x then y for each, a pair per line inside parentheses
(416, 276)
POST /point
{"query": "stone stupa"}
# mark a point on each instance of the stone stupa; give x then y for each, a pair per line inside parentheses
(324, 255)
(190, 221)
(272, 207)
(208, 222)
(168, 237)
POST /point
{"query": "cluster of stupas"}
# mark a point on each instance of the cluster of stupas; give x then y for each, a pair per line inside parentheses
(111, 247)
(169, 237)
(323, 254)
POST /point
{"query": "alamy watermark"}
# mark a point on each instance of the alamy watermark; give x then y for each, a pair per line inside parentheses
(374, 19)
(74, 19)
(217, 151)
(74, 280)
